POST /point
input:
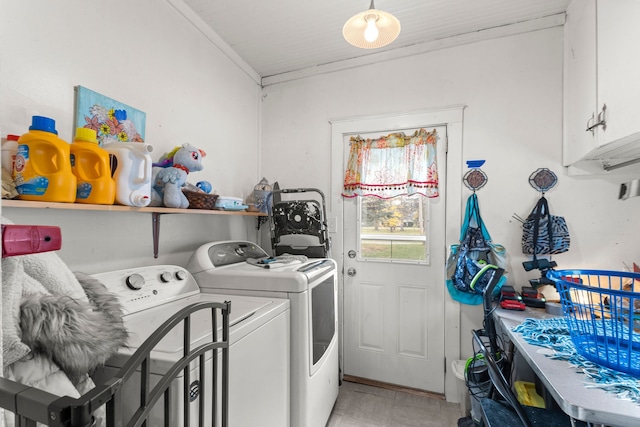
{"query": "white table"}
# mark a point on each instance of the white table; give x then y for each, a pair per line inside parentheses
(565, 384)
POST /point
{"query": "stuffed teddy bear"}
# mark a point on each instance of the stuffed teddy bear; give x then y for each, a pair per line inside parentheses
(169, 175)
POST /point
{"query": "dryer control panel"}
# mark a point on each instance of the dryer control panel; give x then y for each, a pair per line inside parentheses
(143, 287)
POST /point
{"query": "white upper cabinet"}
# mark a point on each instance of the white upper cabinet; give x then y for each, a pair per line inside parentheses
(602, 83)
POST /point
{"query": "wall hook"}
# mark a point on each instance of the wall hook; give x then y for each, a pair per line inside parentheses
(543, 180)
(475, 178)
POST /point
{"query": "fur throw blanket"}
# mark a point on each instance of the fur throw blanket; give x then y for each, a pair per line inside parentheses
(47, 310)
(77, 335)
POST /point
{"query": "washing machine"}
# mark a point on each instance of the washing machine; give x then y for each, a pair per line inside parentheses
(234, 267)
(258, 347)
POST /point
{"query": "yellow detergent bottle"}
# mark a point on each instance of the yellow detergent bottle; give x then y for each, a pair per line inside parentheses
(42, 168)
(90, 164)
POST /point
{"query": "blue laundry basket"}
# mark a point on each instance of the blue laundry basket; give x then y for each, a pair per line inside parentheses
(602, 311)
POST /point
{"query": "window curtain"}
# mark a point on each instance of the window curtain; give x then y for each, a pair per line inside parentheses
(392, 165)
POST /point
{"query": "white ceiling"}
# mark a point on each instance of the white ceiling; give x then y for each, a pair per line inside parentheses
(278, 37)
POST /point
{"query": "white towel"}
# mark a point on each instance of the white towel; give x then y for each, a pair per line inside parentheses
(13, 278)
(43, 273)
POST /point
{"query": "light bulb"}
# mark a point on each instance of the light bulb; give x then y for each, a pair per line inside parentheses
(371, 32)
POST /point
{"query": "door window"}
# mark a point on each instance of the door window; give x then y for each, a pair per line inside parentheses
(394, 230)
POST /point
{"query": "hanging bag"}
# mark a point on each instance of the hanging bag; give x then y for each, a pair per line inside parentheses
(543, 233)
(467, 258)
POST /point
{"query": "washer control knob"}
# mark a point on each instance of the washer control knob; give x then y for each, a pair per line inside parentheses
(165, 277)
(135, 282)
(181, 274)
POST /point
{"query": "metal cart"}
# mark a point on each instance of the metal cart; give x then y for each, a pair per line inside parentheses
(476, 372)
(31, 405)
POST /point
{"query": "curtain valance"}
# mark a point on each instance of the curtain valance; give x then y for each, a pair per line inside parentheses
(392, 165)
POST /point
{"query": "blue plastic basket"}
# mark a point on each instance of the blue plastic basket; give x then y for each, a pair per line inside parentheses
(602, 311)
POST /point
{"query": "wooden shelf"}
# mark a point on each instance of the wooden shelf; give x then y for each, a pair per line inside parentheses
(154, 211)
(118, 208)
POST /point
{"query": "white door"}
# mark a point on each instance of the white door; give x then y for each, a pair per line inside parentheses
(393, 285)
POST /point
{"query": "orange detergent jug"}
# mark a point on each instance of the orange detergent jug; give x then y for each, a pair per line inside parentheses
(42, 168)
(90, 164)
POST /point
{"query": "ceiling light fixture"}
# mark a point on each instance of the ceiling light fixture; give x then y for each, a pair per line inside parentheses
(371, 29)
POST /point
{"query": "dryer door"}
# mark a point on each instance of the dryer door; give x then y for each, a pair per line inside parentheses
(323, 318)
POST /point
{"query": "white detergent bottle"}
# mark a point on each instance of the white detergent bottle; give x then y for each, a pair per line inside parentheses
(131, 169)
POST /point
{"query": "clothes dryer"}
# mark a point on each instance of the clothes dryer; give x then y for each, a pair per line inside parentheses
(230, 267)
(258, 353)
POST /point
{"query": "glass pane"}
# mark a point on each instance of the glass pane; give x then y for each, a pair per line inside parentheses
(394, 229)
(323, 314)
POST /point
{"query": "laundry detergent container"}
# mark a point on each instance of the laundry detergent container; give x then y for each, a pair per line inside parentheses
(90, 164)
(131, 169)
(42, 167)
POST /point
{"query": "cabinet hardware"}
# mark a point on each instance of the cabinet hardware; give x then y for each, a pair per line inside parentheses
(602, 120)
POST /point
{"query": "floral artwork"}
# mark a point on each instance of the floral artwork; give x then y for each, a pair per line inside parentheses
(113, 121)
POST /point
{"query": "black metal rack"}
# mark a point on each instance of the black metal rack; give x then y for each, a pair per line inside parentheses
(31, 405)
(489, 328)
(299, 218)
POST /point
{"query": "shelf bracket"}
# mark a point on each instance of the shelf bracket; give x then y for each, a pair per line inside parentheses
(261, 220)
(155, 226)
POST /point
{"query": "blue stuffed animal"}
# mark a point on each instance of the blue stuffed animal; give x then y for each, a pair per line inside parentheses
(170, 174)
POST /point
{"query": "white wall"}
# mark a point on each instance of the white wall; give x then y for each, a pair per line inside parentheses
(144, 54)
(512, 88)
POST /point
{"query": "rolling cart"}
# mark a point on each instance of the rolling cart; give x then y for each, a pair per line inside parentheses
(476, 372)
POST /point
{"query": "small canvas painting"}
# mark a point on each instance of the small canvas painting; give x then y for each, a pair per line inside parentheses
(113, 121)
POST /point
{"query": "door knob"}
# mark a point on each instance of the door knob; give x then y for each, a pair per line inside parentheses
(351, 272)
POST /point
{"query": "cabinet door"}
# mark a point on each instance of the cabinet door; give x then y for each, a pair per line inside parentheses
(618, 67)
(579, 79)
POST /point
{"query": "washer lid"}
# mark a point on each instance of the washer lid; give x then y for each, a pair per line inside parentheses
(247, 314)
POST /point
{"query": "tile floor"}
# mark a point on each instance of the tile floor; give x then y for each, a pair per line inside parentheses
(360, 405)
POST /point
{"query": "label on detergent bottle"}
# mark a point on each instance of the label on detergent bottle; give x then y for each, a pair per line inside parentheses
(35, 185)
(83, 190)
